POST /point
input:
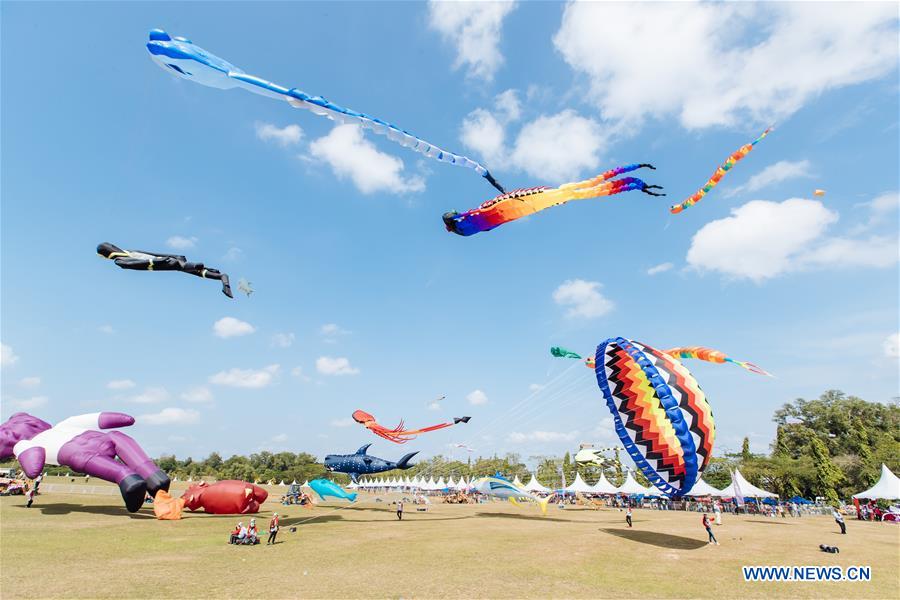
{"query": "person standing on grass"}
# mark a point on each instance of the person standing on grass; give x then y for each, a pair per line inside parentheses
(399, 510)
(30, 495)
(839, 519)
(718, 510)
(628, 516)
(707, 525)
(273, 529)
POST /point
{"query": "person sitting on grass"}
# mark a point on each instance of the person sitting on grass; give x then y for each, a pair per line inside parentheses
(252, 533)
(234, 534)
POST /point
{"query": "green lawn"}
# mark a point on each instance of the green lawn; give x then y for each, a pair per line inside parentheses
(87, 546)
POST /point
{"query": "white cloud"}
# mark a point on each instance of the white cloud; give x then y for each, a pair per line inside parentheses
(152, 395)
(485, 134)
(558, 147)
(245, 378)
(120, 384)
(197, 394)
(535, 387)
(178, 242)
(660, 268)
(434, 405)
(776, 173)
(171, 416)
(477, 397)
(280, 438)
(770, 59)
(342, 422)
(892, 345)
(7, 356)
(332, 331)
(327, 365)
(764, 239)
(299, 374)
(107, 329)
(30, 382)
(474, 28)
(351, 155)
(283, 340)
(29, 403)
(583, 299)
(234, 253)
(879, 209)
(228, 327)
(289, 135)
(541, 436)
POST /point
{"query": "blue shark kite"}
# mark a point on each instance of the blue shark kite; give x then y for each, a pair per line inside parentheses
(363, 464)
(182, 58)
(323, 488)
(500, 487)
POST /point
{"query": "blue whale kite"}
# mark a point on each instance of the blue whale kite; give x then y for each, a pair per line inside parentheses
(363, 464)
(324, 487)
(182, 58)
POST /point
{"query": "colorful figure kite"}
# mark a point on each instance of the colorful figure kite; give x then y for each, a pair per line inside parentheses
(500, 487)
(398, 434)
(82, 443)
(589, 456)
(660, 413)
(720, 172)
(228, 497)
(362, 464)
(697, 352)
(521, 203)
(324, 487)
(180, 57)
(714, 356)
(819, 193)
(139, 260)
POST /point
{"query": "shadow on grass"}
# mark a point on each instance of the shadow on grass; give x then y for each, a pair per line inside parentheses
(304, 520)
(653, 538)
(114, 511)
(530, 517)
(768, 522)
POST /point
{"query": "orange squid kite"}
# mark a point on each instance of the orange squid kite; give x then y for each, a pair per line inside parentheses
(398, 434)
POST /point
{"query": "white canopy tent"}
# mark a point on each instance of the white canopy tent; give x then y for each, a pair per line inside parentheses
(701, 488)
(517, 482)
(535, 486)
(887, 488)
(579, 485)
(747, 489)
(441, 484)
(603, 486)
(461, 485)
(630, 486)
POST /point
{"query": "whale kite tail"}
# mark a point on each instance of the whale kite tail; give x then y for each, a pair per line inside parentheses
(351, 496)
(402, 463)
(544, 504)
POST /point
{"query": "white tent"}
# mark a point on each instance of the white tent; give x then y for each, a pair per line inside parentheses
(535, 486)
(441, 484)
(887, 488)
(517, 482)
(451, 484)
(461, 485)
(748, 490)
(603, 486)
(579, 485)
(630, 486)
(282, 482)
(701, 488)
(430, 484)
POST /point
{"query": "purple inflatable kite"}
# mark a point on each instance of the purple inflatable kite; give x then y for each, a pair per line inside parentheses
(81, 444)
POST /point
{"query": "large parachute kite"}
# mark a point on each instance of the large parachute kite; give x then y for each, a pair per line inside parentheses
(398, 434)
(660, 413)
(527, 201)
(719, 174)
(182, 58)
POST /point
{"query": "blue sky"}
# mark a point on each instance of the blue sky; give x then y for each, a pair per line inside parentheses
(363, 300)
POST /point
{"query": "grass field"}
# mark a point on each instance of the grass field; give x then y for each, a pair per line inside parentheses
(87, 546)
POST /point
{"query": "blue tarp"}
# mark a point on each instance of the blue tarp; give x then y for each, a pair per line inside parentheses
(799, 500)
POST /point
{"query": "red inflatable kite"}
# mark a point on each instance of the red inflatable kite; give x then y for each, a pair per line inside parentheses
(398, 434)
(230, 497)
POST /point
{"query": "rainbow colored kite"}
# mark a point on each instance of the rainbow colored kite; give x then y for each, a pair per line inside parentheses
(521, 203)
(720, 172)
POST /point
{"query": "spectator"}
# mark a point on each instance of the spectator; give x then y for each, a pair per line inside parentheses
(273, 529)
(233, 539)
(400, 510)
(628, 516)
(252, 533)
(839, 519)
(706, 525)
